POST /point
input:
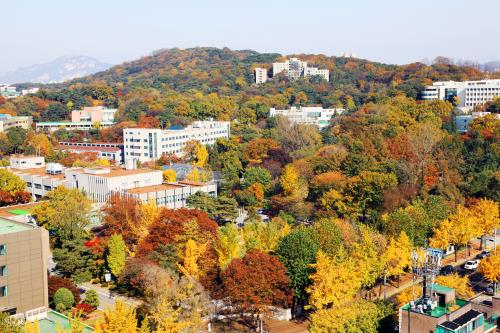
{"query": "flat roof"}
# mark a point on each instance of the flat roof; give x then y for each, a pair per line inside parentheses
(9, 211)
(153, 188)
(119, 172)
(56, 320)
(37, 172)
(10, 227)
(192, 183)
(87, 148)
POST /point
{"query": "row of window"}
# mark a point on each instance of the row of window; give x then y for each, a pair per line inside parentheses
(39, 186)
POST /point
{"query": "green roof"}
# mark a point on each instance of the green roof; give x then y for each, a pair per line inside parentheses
(19, 211)
(440, 288)
(440, 310)
(56, 320)
(9, 227)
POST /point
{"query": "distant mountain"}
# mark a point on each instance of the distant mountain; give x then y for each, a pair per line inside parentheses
(492, 66)
(59, 70)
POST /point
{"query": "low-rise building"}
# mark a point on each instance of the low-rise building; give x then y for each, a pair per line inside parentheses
(8, 92)
(146, 144)
(463, 121)
(24, 253)
(106, 150)
(309, 115)
(7, 122)
(445, 313)
(26, 162)
(99, 183)
(83, 120)
(171, 195)
(93, 114)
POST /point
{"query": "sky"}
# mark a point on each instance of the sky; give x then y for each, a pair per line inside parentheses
(113, 31)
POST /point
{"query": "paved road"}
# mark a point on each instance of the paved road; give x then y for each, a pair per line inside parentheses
(107, 300)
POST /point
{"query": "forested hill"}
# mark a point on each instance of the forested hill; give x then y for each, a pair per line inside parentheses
(181, 85)
(229, 72)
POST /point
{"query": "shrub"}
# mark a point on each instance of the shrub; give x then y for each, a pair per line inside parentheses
(92, 299)
(65, 297)
(57, 282)
(83, 309)
(60, 307)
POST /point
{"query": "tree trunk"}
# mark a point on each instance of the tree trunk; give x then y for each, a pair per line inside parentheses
(455, 249)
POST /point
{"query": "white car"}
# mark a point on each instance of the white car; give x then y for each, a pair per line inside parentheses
(472, 264)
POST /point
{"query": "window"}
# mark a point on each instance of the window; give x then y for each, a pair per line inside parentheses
(3, 270)
(3, 291)
(3, 249)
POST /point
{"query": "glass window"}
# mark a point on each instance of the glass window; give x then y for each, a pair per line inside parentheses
(3, 270)
(3, 291)
(3, 249)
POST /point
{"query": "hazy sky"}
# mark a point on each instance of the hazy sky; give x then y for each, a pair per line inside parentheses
(393, 31)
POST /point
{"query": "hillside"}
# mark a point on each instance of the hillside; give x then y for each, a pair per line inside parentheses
(179, 85)
(58, 70)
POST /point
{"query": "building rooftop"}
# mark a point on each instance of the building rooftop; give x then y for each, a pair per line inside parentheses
(57, 321)
(10, 227)
(87, 148)
(117, 172)
(17, 210)
(37, 172)
(153, 188)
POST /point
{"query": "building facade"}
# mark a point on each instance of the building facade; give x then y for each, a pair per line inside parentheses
(295, 68)
(8, 92)
(146, 144)
(462, 122)
(7, 122)
(260, 75)
(309, 115)
(24, 253)
(26, 162)
(93, 114)
(469, 93)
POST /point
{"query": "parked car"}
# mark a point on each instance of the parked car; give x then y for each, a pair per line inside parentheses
(483, 254)
(489, 289)
(447, 270)
(472, 264)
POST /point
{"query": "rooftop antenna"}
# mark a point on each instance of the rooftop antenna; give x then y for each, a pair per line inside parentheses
(425, 264)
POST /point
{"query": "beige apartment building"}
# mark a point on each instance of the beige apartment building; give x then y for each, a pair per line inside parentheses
(24, 252)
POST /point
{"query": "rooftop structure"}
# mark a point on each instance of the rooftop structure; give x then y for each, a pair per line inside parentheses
(309, 115)
(7, 122)
(146, 144)
(24, 252)
(26, 162)
(469, 93)
(295, 68)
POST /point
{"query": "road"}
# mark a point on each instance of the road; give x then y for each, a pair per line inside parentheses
(107, 300)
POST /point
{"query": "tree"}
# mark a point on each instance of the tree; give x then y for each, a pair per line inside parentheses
(229, 244)
(66, 214)
(490, 268)
(486, 214)
(116, 254)
(221, 209)
(91, 298)
(65, 297)
(334, 282)
(120, 319)
(355, 316)
(56, 282)
(398, 255)
(122, 215)
(297, 251)
(169, 176)
(256, 281)
(39, 144)
(190, 257)
(9, 324)
(457, 282)
(11, 183)
(290, 182)
(74, 260)
(254, 175)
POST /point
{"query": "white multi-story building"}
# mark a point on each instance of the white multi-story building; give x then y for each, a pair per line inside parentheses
(26, 162)
(260, 75)
(469, 93)
(309, 115)
(7, 121)
(99, 183)
(295, 68)
(146, 144)
(8, 91)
